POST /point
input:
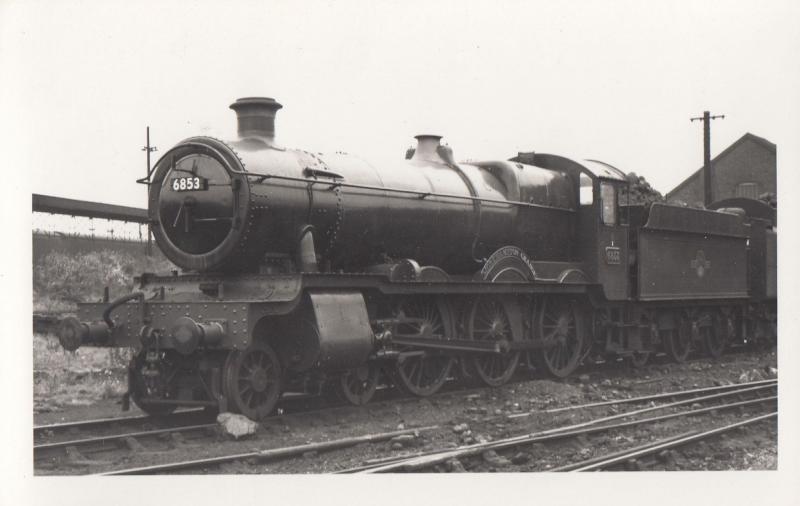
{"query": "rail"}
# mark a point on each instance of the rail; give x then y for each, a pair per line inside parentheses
(607, 461)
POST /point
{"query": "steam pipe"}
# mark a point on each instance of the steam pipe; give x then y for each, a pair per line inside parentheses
(118, 302)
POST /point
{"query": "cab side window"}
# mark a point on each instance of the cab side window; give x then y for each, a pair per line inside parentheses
(586, 191)
(608, 198)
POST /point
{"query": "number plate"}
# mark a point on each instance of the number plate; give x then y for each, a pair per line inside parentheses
(187, 184)
(613, 255)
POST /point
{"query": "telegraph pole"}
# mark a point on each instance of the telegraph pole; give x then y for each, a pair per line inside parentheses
(149, 149)
(707, 180)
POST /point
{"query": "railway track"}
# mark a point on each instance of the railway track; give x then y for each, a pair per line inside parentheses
(291, 403)
(631, 455)
(426, 460)
(107, 450)
(56, 431)
(268, 454)
(80, 452)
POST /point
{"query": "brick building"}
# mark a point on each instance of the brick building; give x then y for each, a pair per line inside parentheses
(747, 168)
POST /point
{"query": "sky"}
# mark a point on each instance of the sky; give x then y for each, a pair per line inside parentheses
(615, 81)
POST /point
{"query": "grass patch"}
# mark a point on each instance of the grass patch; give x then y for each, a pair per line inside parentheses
(74, 378)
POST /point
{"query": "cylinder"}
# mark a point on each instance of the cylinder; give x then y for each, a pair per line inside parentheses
(187, 335)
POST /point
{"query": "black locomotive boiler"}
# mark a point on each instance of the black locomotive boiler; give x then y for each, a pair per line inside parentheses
(300, 269)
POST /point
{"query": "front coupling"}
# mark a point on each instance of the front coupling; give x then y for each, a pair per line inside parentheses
(72, 333)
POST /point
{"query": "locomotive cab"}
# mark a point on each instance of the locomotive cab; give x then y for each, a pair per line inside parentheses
(609, 222)
(601, 242)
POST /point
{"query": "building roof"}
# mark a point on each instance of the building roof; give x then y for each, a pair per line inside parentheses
(698, 173)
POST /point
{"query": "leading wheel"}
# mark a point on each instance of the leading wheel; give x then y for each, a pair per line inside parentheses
(252, 380)
(422, 372)
(357, 386)
(559, 324)
(488, 321)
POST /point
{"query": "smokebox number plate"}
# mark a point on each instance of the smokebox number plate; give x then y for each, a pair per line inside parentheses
(185, 184)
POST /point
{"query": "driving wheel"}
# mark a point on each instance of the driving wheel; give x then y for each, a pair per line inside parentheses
(422, 372)
(559, 324)
(488, 321)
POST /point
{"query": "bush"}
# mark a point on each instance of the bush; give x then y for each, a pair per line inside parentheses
(61, 280)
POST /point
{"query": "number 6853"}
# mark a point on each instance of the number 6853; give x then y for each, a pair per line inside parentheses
(186, 183)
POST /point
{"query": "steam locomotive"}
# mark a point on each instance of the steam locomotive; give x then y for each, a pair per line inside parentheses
(301, 270)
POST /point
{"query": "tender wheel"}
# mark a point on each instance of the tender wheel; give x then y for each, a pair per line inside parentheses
(714, 336)
(559, 323)
(678, 340)
(648, 334)
(357, 386)
(423, 372)
(767, 331)
(488, 321)
(771, 322)
(639, 359)
(252, 381)
(151, 381)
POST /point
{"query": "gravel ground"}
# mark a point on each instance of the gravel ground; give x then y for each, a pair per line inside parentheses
(469, 414)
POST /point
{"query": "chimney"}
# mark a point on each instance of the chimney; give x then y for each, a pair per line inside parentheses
(427, 148)
(256, 117)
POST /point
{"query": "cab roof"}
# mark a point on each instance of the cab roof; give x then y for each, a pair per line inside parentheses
(602, 170)
(592, 168)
